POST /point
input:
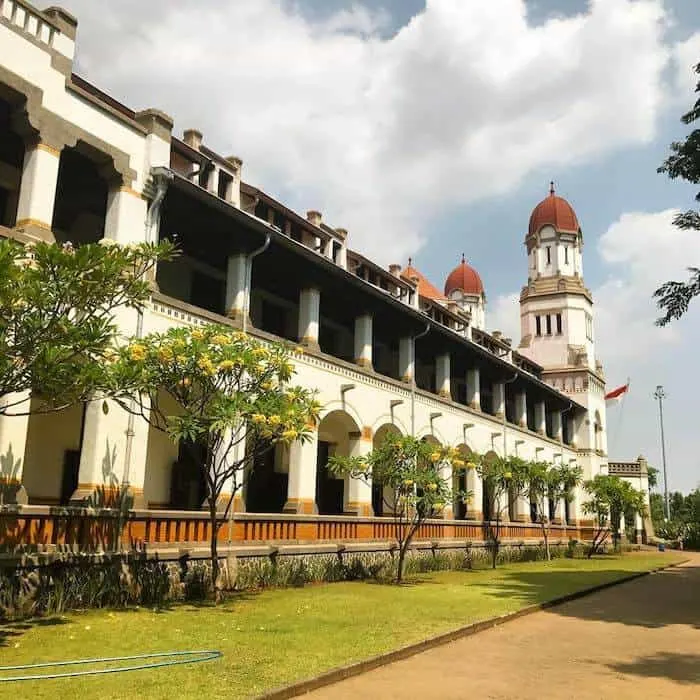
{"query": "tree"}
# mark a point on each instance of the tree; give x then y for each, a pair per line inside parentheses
(673, 298)
(547, 486)
(57, 307)
(652, 477)
(410, 473)
(223, 394)
(610, 499)
(504, 480)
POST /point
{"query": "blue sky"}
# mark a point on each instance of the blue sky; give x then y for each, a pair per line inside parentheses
(432, 129)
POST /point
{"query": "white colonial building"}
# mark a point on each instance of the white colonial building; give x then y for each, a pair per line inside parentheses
(386, 349)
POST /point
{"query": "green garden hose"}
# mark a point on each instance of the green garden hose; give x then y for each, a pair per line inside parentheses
(207, 655)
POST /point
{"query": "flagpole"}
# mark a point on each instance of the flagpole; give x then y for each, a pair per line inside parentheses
(660, 395)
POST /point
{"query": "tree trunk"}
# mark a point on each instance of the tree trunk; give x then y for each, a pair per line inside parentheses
(545, 529)
(402, 555)
(495, 537)
(214, 552)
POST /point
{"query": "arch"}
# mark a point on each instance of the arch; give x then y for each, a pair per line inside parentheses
(488, 504)
(388, 420)
(338, 433)
(428, 431)
(463, 480)
(382, 497)
(337, 406)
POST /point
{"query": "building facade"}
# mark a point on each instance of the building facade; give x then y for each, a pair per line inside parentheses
(386, 349)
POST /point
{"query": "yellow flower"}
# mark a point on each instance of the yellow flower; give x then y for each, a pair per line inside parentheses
(227, 365)
(274, 421)
(408, 482)
(290, 434)
(298, 350)
(181, 359)
(137, 352)
(266, 386)
(471, 465)
(197, 334)
(258, 418)
(458, 463)
(508, 475)
(259, 352)
(165, 355)
(431, 487)
(184, 382)
(435, 457)
(205, 364)
(469, 501)
(239, 335)
(220, 339)
(261, 367)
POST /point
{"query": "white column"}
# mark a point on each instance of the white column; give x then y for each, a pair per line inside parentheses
(126, 214)
(236, 286)
(406, 359)
(363, 341)
(499, 399)
(13, 442)
(540, 418)
(107, 460)
(638, 528)
(442, 375)
(309, 316)
(521, 409)
(37, 193)
(575, 507)
(556, 425)
(473, 389)
(301, 488)
(358, 492)
(522, 509)
(476, 487)
(446, 474)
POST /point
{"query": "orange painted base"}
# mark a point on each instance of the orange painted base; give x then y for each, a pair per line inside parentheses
(300, 506)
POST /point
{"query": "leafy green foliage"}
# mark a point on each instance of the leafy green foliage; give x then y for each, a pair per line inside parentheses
(411, 473)
(673, 298)
(216, 389)
(684, 524)
(57, 306)
(610, 499)
(549, 483)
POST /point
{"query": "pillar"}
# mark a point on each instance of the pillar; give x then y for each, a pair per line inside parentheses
(521, 409)
(442, 375)
(13, 442)
(37, 194)
(540, 418)
(575, 508)
(363, 341)
(446, 473)
(301, 488)
(638, 529)
(358, 494)
(309, 316)
(406, 359)
(476, 487)
(473, 389)
(108, 459)
(499, 399)
(126, 214)
(556, 425)
(522, 509)
(236, 286)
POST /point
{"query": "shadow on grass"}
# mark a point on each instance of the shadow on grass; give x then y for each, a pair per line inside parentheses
(658, 600)
(682, 668)
(10, 631)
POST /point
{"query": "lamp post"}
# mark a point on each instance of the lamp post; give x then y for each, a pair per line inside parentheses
(660, 395)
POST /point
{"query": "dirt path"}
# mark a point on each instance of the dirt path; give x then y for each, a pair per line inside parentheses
(638, 640)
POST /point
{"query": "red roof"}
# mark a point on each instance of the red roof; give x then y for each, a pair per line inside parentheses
(465, 278)
(553, 211)
(425, 288)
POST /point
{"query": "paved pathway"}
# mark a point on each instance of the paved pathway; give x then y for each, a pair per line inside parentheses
(639, 640)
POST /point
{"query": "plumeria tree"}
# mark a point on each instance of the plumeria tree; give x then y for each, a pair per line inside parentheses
(547, 485)
(411, 474)
(220, 392)
(504, 481)
(57, 307)
(610, 498)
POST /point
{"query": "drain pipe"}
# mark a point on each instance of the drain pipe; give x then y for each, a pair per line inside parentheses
(505, 422)
(248, 278)
(246, 304)
(413, 378)
(161, 181)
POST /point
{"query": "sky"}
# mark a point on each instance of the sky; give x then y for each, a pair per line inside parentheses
(431, 128)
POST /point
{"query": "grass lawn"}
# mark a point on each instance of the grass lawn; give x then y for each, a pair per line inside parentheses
(279, 636)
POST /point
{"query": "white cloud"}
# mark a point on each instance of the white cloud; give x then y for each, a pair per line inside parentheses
(382, 133)
(686, 55)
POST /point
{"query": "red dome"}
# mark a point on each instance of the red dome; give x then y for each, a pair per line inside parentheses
(425, 288)
(553, 211)
(465, 278)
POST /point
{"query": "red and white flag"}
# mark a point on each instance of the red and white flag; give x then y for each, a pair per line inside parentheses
(616, 395)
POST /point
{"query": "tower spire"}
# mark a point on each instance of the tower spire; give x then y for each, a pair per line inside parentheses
(463, 259)
(551, 188)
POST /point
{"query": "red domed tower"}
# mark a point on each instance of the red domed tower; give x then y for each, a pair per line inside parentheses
(464, 286)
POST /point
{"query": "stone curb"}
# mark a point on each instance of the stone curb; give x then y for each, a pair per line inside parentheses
(342, 672)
